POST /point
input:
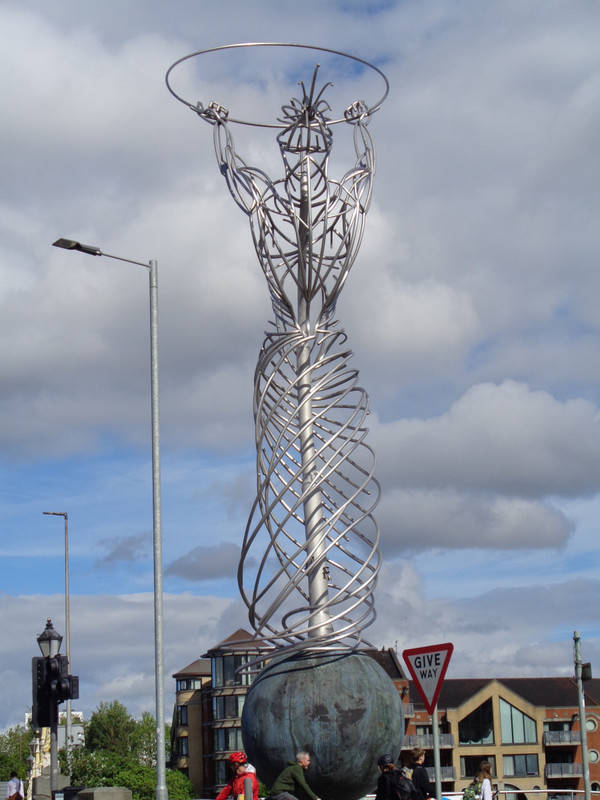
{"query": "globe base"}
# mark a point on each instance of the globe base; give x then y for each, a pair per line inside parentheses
(342, 708)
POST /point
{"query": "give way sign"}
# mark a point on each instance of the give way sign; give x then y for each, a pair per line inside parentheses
(427, 666)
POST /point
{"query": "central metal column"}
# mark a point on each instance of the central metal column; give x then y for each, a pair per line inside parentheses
(318, 588)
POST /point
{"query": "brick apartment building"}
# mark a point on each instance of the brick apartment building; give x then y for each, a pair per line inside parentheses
(528, 728)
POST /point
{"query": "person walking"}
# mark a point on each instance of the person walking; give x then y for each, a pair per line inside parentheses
(420, 776)
(484, 777)
(236, 785)
(14, 788)
(291, 783)
(393, 784)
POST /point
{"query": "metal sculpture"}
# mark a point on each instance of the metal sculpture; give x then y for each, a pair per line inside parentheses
(310, 554)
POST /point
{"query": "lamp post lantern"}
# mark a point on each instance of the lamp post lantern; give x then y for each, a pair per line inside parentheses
(152, 267)
(67, 627)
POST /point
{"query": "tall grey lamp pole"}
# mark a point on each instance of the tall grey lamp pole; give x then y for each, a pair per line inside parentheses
(67, 628)
(152, 267)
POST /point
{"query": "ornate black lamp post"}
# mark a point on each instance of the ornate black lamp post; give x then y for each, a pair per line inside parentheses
(52, 684)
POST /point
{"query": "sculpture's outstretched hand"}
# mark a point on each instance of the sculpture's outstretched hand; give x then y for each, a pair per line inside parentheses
(215, 113)
(358, 112)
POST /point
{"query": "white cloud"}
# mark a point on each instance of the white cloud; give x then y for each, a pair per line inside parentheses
(487, 641)
(415, 520)
(507, 439)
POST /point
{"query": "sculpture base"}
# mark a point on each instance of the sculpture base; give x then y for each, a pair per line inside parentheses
(342, 708)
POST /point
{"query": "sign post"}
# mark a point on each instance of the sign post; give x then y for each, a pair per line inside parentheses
(427, 666)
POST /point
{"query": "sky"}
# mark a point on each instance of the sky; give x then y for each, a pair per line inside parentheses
(472, 311)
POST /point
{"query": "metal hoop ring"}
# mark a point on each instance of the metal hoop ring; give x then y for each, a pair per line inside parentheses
(194, 107)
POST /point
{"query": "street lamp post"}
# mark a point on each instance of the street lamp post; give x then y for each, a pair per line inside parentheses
(67, 628)
(152, 267)
(49, 642)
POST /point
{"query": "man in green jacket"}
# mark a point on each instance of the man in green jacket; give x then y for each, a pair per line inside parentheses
(291, 783)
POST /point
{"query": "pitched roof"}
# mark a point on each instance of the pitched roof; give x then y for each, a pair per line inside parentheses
(592, 691)
(240, 640)
(388, 660)
(198, 668)
(542, 692)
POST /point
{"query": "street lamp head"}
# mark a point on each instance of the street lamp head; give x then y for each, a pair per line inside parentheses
(71, 244)
(49, 641)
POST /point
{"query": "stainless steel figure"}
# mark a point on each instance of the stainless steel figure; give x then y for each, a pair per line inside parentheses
(310, 554)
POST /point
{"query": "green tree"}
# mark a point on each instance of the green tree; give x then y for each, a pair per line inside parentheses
(141, 780)
(144, 740)
(94, 768)
(121, 751)
(102, 768)
(111, 728)
(14, 749)
(179, 786)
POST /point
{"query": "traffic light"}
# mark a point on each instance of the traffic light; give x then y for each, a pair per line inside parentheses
(51, 685)
(60, 686)
(42, 708)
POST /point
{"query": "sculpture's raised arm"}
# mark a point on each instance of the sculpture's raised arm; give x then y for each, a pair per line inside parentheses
(245, 183)
(361, 177)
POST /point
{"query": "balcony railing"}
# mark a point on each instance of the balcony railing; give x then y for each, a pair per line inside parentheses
(409, 710)
(562, 737)
(564, 770)
(446, 773)
(426, 741)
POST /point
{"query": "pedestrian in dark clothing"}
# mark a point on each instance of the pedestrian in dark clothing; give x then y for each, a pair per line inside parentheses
(393, 784)
(385, 783)
(420, 776)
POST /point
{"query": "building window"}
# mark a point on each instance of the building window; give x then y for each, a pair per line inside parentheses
(189, 683)
(182, 746)
(229, 707)
(469, 765)
(221, 773)
(593, 756)
(182, 717)
(478, 726)
(224, 670)
(513, 793)
(520, 765)
(516, 727)
(228, 739)
(591, 724)
(557, 726)
(424, 730)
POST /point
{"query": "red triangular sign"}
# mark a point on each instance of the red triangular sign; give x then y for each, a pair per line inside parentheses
(427, 666)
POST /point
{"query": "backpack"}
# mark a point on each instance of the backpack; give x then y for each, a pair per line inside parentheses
(472, 791)
(403, 786)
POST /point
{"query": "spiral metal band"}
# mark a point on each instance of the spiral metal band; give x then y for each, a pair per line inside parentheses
(277, 561)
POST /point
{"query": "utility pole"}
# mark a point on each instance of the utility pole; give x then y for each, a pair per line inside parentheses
(582, 672)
